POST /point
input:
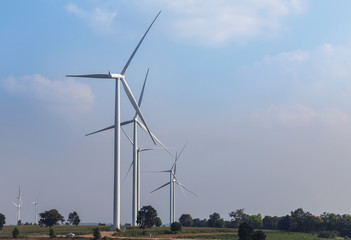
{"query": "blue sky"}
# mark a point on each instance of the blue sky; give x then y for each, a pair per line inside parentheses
(259, 89)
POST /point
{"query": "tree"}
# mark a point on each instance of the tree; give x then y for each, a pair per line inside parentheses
(97, 233)
(50, 218)
(255, 221)
(15, 232)
(146, 217)
(186, 220)
(2, 220)
(258, 235)
(200, 223)
(215, 220)
(176, 227)
(158, 222)
(270, 222)
(245, 231)
(73, 218)
(239, 216)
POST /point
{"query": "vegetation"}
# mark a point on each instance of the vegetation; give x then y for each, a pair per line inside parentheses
(15, 232)
(158, 222)
(50, 218)
(97, 234)
(73, 218)
(146, 217)
(2, 220)
(186, 220)
(245, 231)
(52, 233)
(215, 221)
(176, 227)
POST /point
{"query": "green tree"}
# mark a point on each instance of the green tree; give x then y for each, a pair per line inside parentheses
(2, 220)
(255, 221)
(259, 235)
(158, 222)
(239, 216)
(147, 217)
(50, 218)
(215, 220)
(186, 220)
(176, 227)
(73, 218)
(15, 232)
(52, 233)
(200, 223)
(97, 233)
(270, 222)
(245, 231)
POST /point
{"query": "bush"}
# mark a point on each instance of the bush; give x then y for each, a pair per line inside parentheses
(328, 234)
(97, 234)
(258, 235)
(15, 232)
(158, 222)
(52, 233)
(176, 227)
(245, 231)
(2, 220)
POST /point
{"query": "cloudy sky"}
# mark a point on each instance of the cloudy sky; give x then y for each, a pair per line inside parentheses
(259, 89)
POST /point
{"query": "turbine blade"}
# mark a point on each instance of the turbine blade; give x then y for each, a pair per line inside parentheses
(181, 185)
(142, 91)
(177, 157)
(181, 189)
(130, 140)
(154, 137)
(91, 76)
(157, 171)
(160, 187)
(110, 127)
(133, 102)
(126, 122)
(15, 204)
(148, 149)
(128, 171)
(136, 49)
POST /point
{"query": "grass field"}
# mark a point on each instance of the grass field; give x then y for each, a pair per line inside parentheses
(31, 231)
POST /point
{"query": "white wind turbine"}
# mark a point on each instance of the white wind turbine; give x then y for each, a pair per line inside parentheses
(136, 154)
(35, 203)
(118, 78)
(18, 205)
(173, 179)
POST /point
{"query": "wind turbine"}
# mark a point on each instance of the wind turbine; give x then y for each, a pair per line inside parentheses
(120, 78)
(18, 205)
(173, 179)
(36, 210)
(136, 154)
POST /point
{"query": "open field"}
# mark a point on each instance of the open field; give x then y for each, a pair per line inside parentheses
(153, 233)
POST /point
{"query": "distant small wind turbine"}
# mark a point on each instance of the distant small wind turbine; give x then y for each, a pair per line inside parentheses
(18, 205)
(117, 148)
(36, 210)
(173, 179)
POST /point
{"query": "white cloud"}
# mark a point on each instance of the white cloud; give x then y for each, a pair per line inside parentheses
(100, 20)
(217, 22)
(64, 96)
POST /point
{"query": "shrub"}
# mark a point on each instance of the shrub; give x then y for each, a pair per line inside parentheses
(328, 234)
(245, 231)
(158, 222)
(52, 233)
(176, 227)
(258, 235)
(15, 232)
(97, 234)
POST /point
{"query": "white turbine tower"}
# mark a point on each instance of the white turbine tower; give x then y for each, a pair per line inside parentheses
(35, 203)
(118, 78)
(136, 154)
(18, 205)
(173, 179)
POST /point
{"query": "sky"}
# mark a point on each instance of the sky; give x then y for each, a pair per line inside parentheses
(259, 89)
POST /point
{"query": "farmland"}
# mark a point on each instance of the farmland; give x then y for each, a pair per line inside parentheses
(33, 231)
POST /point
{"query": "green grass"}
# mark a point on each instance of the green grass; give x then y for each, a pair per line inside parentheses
(214, 233)
(35, 230)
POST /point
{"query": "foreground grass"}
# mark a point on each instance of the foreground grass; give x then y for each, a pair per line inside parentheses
(155, 232)
(35, 230)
